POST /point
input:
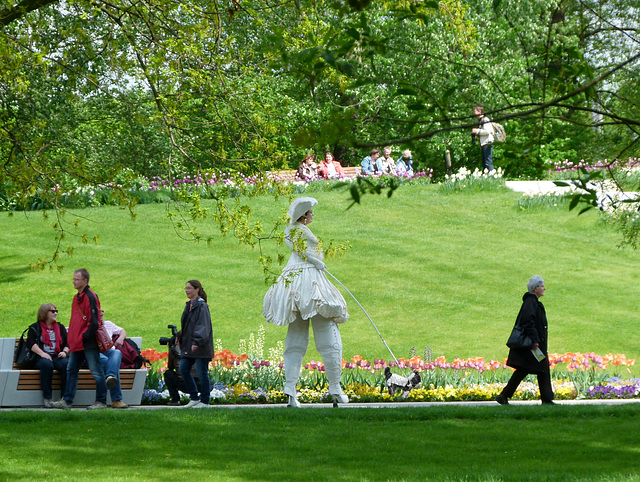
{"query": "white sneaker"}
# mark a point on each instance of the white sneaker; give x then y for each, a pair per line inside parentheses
(193, 403)
(48, 403)
(97, 406)
(342, 398)
(293, 402)
(201, 405)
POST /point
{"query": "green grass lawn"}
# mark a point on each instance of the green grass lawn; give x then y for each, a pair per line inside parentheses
(441, 270)
(365, 444)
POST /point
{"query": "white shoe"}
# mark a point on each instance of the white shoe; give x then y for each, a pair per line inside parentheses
(293, 402)
(342, 398)
(201, 405)
(97, 406)
(48, 403)
(193, 404)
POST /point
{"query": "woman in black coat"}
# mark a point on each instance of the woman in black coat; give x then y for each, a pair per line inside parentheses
(533, 320)
(196, 344)
(48, 339)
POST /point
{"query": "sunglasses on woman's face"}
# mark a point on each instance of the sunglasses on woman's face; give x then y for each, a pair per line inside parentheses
(53, 311)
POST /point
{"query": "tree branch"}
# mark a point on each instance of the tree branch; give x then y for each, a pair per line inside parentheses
(17, 11)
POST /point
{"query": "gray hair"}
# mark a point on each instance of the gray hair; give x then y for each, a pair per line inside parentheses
(534, 282)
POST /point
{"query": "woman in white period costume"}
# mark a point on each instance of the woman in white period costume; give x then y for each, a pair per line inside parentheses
(301, 295)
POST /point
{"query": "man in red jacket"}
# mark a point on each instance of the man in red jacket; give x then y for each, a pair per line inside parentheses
(85, 319)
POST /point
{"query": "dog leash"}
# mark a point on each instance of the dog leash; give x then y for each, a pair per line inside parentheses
(365, 312)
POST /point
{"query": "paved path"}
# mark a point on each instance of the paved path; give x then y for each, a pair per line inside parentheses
(535, 186)
(370, 405)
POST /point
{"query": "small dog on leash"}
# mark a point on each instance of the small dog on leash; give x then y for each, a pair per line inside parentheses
(406, 384)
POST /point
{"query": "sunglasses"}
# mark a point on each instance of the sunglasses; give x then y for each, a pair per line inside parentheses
(53, 311)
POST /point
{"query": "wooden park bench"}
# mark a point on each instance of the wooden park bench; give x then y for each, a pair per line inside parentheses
(352, 171)
(20, 387)
(289, 175)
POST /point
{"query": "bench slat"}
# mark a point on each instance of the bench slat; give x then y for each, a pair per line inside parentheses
(30, 379)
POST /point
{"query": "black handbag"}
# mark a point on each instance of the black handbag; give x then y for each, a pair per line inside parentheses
(518, 339)
(23, 355)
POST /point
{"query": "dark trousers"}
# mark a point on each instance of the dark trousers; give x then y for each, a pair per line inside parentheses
(487, 157)
(202, 369)
(46, 368)
(544, 384)
(174, 383)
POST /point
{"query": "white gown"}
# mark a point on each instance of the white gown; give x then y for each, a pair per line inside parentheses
(303, 288)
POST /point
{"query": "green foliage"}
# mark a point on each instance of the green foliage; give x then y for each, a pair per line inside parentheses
(89, 91)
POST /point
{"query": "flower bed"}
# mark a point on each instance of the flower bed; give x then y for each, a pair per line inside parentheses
(465, 180)
(206, 185)
(571, 167)
(246, 378)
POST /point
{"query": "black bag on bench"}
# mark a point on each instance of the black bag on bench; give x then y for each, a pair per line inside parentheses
(23, 355)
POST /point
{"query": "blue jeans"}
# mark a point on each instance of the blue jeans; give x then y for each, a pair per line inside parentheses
(93, 361)
(110, 362)
(202, 368)
(46, 368)
(487, 157)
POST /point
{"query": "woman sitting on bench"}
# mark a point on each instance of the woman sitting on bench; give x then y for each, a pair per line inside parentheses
(48, 339)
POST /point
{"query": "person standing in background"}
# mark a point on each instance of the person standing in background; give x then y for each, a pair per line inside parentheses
(484, 133)
(86, 318)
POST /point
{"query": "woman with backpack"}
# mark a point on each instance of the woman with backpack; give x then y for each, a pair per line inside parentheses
(196, 344)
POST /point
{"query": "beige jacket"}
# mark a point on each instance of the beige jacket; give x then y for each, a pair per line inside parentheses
(485, 131)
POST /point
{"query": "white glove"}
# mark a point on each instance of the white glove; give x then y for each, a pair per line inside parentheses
(317, 263)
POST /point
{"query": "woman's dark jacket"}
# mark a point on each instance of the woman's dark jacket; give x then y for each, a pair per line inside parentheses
(533, 319)
(196, 330)
(34, 336)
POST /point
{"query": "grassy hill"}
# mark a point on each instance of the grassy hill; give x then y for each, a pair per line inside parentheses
(441, 270)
